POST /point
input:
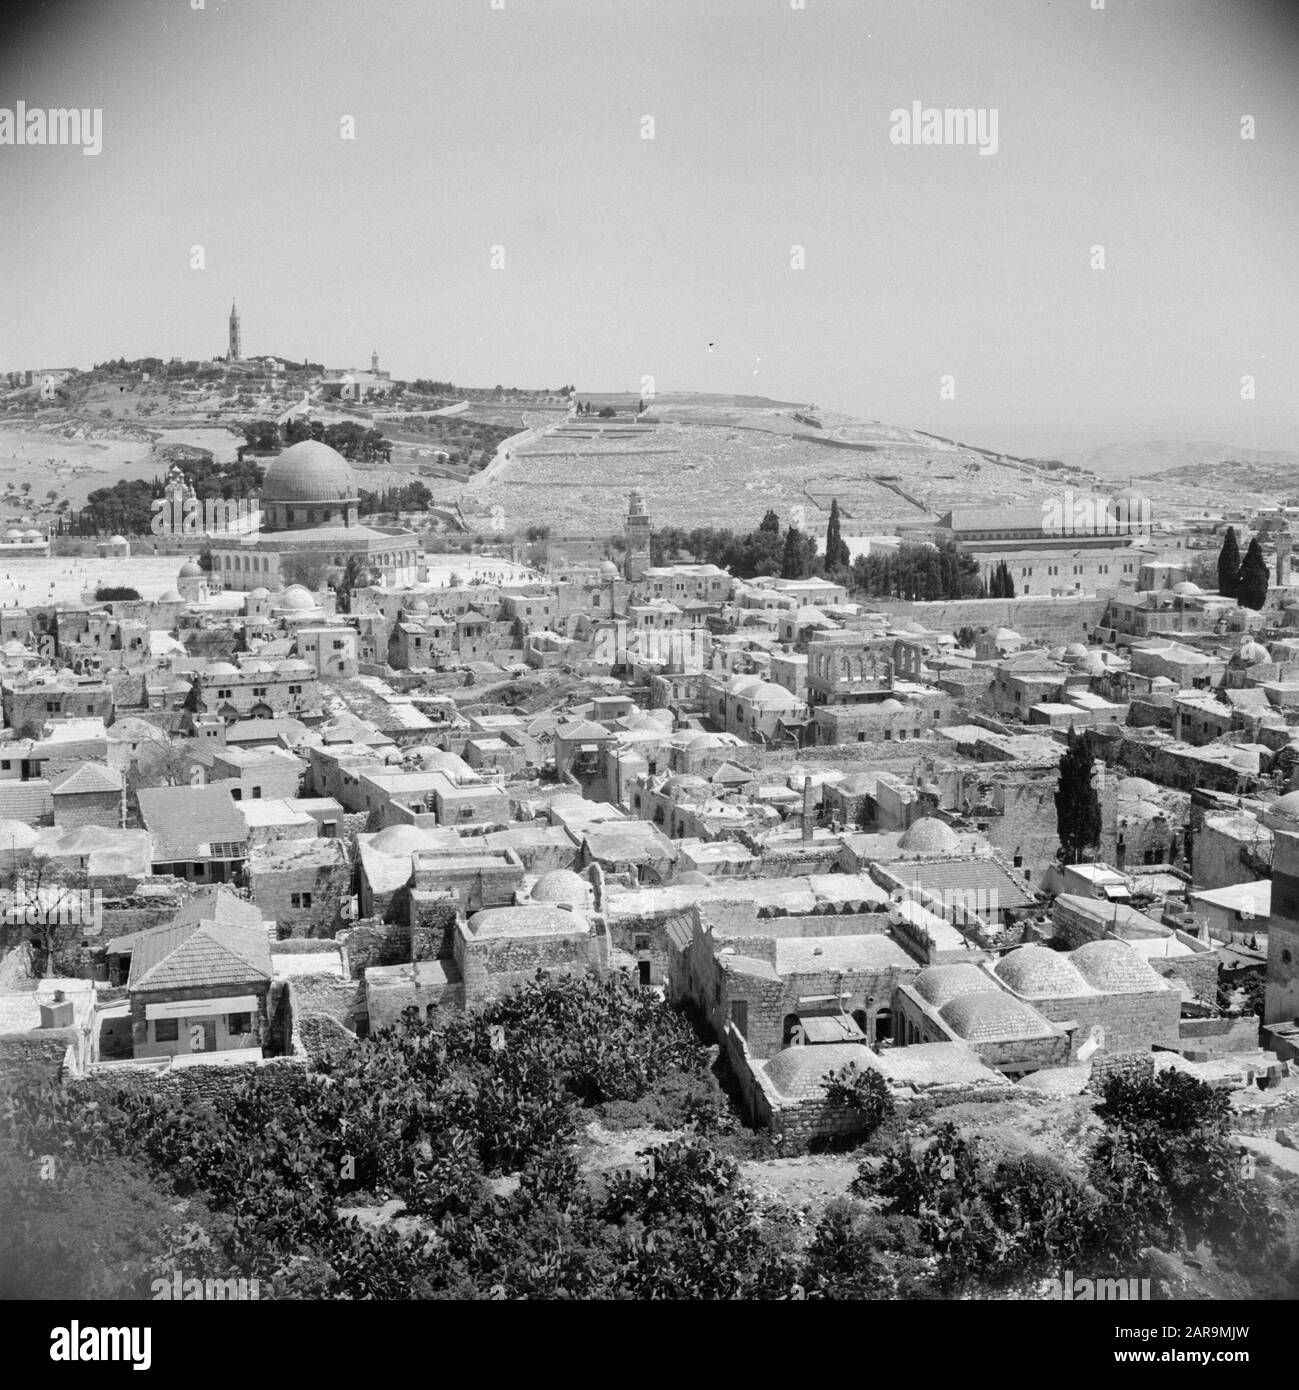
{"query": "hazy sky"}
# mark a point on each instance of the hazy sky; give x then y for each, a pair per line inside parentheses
(521, 127)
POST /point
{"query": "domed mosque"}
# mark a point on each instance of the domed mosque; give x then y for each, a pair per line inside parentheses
(309, 506)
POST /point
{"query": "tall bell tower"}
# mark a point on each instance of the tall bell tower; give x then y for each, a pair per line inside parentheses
(235, 352)
(638, 538)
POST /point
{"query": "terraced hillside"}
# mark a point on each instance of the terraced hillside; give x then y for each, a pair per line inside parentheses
(710, 463)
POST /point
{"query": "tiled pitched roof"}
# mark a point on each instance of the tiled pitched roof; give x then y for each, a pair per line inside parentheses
(183, 819)
(199, 955)
(89, 777)
(221, 906)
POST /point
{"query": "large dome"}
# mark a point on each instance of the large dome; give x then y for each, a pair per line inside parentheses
(560, 886)
(929, 836)
(309, 472)
(298, 599)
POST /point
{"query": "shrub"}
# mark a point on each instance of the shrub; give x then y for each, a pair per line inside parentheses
(864, 1090)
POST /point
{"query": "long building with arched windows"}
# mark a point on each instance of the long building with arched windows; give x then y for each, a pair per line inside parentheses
(309, 506)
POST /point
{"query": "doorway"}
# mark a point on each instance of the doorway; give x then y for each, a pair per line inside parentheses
(643, 968)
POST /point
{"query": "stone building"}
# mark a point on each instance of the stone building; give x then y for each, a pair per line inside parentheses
(303, 886)
(200, 984)
(1281, 999)
(89, 795)
(30, 700)
(258, 689)
(309, 503)
(197, 832)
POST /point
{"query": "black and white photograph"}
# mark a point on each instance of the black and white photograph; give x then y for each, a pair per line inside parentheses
(649, 652)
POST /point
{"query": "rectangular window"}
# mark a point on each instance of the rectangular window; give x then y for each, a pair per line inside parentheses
(339, 645)
(237, 793)
(259, 690)
(166, 1030)
(239, 1024)
(642, 943)
(51, 707)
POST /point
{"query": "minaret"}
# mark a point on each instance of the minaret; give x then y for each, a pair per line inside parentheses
(638, 538)
(235, 352)
(374, 360)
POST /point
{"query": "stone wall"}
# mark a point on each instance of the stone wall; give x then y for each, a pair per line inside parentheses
(88, 808)
(387, 943)
(187, 1083)
(1219, 1035)
(1131, 1022)
(1056, 621)
(1200, 971)
(1140, 1066)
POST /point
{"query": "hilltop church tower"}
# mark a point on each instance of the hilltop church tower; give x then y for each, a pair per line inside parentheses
(235, 352)
(638, 538)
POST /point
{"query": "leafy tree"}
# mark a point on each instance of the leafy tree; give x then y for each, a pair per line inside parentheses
(1228, 564)
(305, 567)
(770, 522)
(357, 573)
(1077, 805)
(261, 436)
(917, 572)
(116, 593)
(607, 412)
(1252, 582)
(794, 562)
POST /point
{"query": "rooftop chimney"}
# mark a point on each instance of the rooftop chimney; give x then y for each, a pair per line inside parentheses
(58, 1013)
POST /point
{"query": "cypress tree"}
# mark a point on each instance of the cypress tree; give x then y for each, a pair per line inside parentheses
(1252, 582)
(1077, 806)
(1228, 564)
(836, 551)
